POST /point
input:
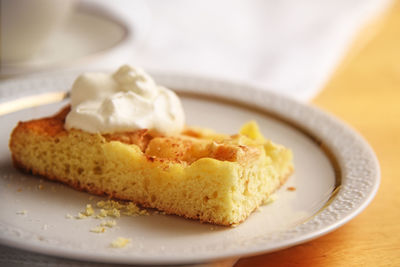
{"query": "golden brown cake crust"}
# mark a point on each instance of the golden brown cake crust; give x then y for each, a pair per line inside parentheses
(180, 148)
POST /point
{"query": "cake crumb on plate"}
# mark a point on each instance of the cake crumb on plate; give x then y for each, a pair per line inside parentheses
(120, 242)
(98, 229)
(109, 223)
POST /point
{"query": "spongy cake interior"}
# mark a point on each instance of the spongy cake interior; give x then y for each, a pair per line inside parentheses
(199, 174)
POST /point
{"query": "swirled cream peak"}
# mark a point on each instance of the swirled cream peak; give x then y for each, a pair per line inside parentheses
(126, 100)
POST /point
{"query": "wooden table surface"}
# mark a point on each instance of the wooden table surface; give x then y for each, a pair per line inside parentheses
(365, 93)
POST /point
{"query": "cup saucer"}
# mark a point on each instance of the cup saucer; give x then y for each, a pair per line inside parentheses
(90, 34)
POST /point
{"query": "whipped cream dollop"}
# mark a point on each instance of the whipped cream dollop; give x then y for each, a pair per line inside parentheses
(126, 100)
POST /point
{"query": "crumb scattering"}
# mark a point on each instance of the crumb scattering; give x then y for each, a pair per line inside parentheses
(102, 227)
(98, 229)
(109, 208)
(89, 211)
(120, 242)
(114, 213)
(80, 216)
(109, 223)
(101, 214)
(115, 209)
(291, 188)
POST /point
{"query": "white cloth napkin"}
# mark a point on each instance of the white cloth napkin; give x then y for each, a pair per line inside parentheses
(288, 46)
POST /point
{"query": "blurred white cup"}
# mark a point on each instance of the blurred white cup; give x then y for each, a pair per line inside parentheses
(27, 24)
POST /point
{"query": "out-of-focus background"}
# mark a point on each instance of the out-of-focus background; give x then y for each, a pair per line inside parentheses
(288, 46)
(342, 56)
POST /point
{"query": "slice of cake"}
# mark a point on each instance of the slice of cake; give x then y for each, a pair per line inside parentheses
(192, 172)
(199, 174)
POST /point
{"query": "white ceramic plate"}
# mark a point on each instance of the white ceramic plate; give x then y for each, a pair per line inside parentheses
(336, 176)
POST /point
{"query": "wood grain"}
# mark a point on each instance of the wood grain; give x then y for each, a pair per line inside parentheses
(365, 93)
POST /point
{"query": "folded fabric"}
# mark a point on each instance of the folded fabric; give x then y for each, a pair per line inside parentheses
(288, 46)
